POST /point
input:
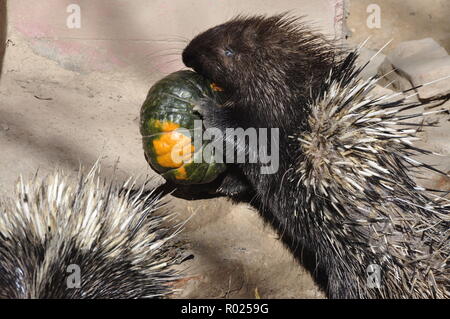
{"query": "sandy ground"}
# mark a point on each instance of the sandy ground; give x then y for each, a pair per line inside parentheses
(51, 116)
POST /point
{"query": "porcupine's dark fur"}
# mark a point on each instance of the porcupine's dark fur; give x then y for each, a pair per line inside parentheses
(344, 192)
(114, 236)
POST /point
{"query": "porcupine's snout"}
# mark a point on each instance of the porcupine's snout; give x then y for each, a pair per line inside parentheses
(195, 59)
(191, 58)
(188, 57)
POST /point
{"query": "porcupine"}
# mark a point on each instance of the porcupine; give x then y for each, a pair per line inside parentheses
(55, 229)
(344, 192)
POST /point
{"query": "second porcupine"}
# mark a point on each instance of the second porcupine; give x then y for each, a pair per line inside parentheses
(344, 192)
(85, 238)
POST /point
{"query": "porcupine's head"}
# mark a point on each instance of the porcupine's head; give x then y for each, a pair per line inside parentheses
(355, 174)
(84, 238)
(262, 61)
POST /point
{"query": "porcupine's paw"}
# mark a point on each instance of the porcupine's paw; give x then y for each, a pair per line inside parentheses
(209, 111)
(231, 187)
(234, 185)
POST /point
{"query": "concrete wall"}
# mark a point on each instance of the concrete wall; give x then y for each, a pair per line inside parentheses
(141, 35)
(400, 21)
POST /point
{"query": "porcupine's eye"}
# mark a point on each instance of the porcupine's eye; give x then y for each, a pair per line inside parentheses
(228, 52)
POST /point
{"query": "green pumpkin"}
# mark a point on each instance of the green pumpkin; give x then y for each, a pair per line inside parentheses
(168, 108)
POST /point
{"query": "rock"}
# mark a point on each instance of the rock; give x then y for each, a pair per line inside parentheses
(392, 77)
(379, 91)
(428, 71)
(371, 69)
(417, 62)
(418, 48)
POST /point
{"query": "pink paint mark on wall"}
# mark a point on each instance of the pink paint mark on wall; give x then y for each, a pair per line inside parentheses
(50, 37)
(88, 55)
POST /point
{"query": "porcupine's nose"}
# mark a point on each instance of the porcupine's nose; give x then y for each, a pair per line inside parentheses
(193, 60)
(188, 57)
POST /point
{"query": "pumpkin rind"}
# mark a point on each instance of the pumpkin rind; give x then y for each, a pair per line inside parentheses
(169, 107)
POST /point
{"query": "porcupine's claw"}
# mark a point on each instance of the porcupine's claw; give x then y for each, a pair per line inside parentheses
(234, 185)
(207, 109)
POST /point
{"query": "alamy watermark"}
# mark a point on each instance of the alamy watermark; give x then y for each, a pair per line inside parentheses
(74, 278)
(374, 18)
(235, 145)
(373, 272)
(74, 19)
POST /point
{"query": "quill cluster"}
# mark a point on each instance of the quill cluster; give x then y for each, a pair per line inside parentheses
(85, 237)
